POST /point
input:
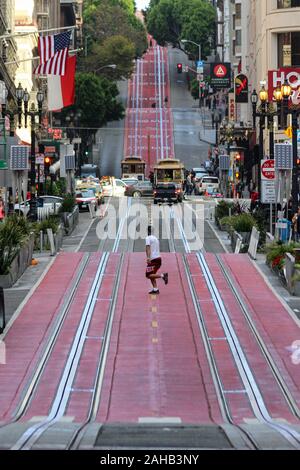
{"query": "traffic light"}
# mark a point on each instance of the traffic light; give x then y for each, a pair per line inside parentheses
(179, 68)
(48, 163)
(238, 157)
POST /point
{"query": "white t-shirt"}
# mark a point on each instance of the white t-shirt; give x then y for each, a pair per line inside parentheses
(154, 247)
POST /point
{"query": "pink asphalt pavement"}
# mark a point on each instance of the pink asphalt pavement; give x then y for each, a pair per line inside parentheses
(275, 325)
(148, 130)
(157, 366)
(26, 338)
(264, 377)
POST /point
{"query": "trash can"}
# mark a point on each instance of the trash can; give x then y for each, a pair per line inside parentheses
(284, 230)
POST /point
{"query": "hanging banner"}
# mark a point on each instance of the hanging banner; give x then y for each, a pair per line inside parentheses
(231, 107)
(241, 88)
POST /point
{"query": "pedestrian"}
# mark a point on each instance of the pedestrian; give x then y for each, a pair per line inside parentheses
(189, 184)
(154, 262)
(2, 210)
(296, 226)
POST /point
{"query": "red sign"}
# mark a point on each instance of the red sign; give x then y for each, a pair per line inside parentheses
(220, 71)
(268, 169)
(276, 78)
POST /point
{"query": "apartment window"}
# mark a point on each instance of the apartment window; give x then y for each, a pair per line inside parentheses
(288, 3)
(289, 49)
(238, 11)
(238, 37)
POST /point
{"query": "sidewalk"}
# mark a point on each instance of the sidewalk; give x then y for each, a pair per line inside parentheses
(15, 296)
(274, 282)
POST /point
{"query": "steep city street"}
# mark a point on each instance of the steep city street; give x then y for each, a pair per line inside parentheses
(149, 282)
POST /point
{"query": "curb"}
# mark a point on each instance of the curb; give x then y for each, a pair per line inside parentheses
(218, 237)
(23, 303)
(281, 300)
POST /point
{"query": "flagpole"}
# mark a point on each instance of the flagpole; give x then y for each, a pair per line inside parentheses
(28, 33)
(35, 58)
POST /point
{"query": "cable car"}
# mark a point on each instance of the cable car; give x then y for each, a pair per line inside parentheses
(133, 167)
(169, 171)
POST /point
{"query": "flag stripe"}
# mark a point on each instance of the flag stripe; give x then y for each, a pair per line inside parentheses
(61, 89)
(54, 66)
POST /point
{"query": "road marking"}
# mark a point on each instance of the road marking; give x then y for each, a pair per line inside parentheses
(154, 340)
(154, 324)
(154, 309)
(154, 420)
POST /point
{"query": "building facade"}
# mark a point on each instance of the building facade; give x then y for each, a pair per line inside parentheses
(8, 47)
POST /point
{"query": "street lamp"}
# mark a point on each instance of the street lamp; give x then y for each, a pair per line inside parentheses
(294, 110)
(192, 42)
(110, 66)
(23, 96)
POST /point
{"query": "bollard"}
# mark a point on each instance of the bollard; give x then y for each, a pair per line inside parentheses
(41, 241)
(2, 309)
(51, 241)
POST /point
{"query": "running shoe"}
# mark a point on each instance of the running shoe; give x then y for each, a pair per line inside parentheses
(166, 278)
(154, 292)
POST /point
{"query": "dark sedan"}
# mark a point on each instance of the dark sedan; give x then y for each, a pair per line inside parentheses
(141, 189)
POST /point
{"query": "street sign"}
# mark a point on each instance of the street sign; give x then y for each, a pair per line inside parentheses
(40, 159)
(19, 157)
(220, 74)
(283, 156)
(3, 165)
(289, 132)
(199, 63)
(224, 162)
(268, 170)
(268, 193)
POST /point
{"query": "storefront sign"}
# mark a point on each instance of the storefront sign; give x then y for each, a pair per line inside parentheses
(220, 74)
(276, 78)
(241, 88)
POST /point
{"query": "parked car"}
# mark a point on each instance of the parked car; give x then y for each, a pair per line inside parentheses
(207, 182)
(140, 189)
(50, 203)
(199, 172)
(214, 193)
(130, 181)
(84, 198)
(112, 186)
(167, 192)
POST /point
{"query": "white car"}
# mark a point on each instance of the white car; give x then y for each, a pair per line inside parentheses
(113, 187)
(48, 203)
(208, 182)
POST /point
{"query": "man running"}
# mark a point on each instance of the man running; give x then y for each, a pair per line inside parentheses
(154, 262)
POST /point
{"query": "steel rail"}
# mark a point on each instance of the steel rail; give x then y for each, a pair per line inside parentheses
(277, 375)
(221, 395)
(34, 381)
(256, 399)
(220, 392)
(121, 226)
(99, 379)
(253, 392)
(31, 435)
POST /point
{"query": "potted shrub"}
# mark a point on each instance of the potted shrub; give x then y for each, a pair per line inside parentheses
(11, 238)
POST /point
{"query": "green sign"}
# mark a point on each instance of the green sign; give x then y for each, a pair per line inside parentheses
(3, 165)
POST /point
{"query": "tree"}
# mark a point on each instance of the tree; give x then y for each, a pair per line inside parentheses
(113, 50)
(173, 20)
(106, 18)
(96, 98)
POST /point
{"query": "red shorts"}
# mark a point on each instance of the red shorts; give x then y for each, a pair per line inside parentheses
(153, 267)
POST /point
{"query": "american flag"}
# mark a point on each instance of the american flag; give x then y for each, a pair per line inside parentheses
(53, 52)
